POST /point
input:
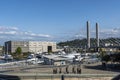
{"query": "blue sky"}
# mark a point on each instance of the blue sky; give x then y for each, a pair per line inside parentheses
(57, 20)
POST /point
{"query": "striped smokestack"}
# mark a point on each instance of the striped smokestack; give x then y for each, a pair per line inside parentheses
(88, 35)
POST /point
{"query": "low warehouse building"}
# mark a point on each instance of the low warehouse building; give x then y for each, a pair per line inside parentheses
(54, 60)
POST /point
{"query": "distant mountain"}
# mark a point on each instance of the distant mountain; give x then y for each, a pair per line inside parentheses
(81, 43)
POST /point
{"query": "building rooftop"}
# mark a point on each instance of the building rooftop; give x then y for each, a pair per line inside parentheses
(55, 57)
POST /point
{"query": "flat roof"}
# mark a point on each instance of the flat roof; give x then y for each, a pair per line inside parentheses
(55, 57)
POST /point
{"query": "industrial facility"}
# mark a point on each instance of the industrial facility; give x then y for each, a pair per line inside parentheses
(30, 46)
(88, 35)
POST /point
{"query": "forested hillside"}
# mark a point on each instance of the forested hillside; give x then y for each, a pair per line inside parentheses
(83, 42)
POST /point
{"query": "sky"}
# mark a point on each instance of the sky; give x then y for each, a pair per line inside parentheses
(57, 20)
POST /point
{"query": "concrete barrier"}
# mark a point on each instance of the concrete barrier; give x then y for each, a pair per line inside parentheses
(37, 76)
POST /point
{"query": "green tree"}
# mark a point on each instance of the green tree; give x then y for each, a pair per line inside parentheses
(18, 53)
(18, 50)
(106, 58)
(102, 53)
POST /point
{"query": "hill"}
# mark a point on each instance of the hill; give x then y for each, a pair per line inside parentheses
(81, 43)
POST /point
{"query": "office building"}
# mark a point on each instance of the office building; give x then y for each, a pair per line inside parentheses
(30, 46)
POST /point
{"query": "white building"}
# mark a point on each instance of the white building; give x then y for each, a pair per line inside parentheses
(54, 60)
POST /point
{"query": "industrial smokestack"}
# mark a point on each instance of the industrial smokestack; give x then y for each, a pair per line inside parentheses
(88, 35)
(97, 34)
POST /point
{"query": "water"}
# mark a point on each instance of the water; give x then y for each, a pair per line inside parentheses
(2, 61)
